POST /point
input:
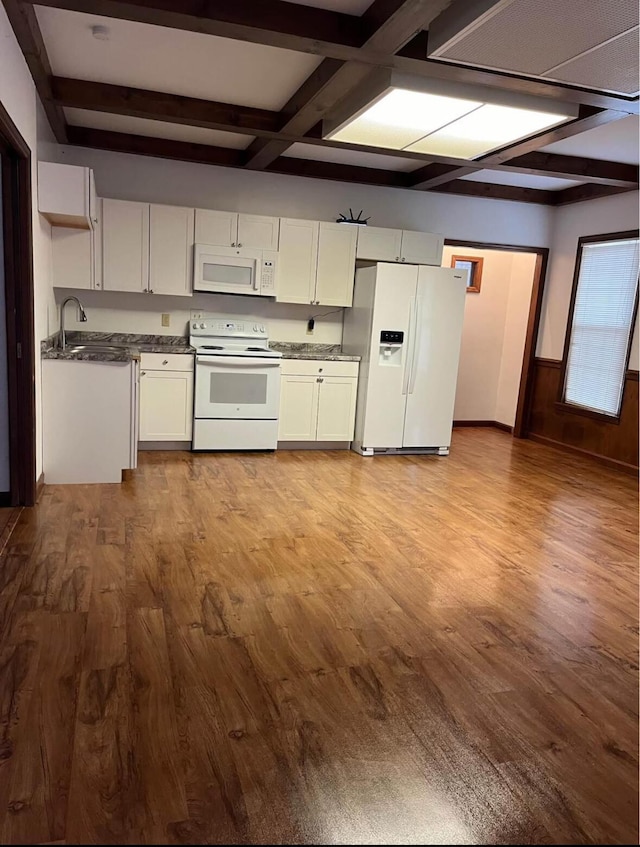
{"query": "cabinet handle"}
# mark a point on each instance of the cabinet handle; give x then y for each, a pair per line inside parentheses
(233, 243)
(142, 373)
(403, 259)
(165, 362)
(239, 245)
(151, 289)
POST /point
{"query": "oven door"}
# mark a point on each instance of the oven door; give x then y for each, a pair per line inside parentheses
(237, 387)
(226, 270)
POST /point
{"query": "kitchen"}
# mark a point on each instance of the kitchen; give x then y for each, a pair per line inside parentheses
(224, 382)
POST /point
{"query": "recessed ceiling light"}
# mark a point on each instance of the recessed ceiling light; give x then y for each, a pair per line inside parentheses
(439, 121)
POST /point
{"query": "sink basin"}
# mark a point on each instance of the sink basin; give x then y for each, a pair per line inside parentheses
(94, 348)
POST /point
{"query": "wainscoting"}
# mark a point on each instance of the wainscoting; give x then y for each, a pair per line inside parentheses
(614, 444)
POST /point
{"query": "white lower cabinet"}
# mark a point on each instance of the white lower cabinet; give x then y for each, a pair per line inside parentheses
(317, 400)
(166, 397)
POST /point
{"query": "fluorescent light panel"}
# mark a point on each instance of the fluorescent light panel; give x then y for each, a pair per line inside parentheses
(450, 126)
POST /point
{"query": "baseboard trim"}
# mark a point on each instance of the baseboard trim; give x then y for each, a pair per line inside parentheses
(496, 424)
(164, 445)
(615, 464)
(314, 445)
(39, 487)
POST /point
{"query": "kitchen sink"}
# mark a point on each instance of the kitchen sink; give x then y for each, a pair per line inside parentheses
(95, 348)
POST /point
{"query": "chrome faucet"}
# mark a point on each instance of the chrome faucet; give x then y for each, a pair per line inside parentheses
(82, 316)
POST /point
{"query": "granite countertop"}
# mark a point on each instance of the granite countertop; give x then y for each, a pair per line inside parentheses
(326, 352)
(131, 346)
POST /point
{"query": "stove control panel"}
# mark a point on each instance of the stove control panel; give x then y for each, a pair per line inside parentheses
(202, 324)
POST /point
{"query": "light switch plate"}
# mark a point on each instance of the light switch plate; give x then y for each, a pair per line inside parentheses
(166, 319)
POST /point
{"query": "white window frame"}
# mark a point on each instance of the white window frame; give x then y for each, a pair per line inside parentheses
(572, 406)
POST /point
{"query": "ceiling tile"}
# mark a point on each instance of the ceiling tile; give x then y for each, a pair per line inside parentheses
(548, 183)
(171, 60)
(352, 157)
(156, 129)
(348, 7)
(615, 142)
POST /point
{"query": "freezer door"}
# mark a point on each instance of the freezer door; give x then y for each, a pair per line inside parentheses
(433, 369)
(395, 289)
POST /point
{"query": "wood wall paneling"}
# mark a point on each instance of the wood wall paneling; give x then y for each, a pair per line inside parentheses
(613, 443)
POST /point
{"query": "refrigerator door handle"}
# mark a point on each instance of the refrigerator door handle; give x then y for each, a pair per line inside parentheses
(415, 342)
(409, 341)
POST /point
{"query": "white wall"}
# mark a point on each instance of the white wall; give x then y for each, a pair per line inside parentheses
(593, 217)
(113, 312)
(493, 335)
(523, 267)
(18, 96)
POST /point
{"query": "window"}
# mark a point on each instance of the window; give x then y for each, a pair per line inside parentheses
(601, 320)
(473, 264)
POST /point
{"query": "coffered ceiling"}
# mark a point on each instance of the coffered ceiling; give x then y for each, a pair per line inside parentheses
(244, 84)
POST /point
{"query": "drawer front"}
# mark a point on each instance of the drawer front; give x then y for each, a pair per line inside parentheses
(166, 361)
(318, 367)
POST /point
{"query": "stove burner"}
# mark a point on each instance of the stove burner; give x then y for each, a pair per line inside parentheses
(257, 350)
(212, 347)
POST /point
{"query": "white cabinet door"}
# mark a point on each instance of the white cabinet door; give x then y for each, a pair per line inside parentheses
(166, 405)
(422, 248)
(336, 408)
(72, 257)
(125, 245)
(170, 250)
(258, 232)
(219, 228)
(379, 244)
(298, 408)
(336, 264)
(66, 195)
(297, 261)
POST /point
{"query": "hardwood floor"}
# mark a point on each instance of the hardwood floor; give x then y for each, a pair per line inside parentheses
(320, 648)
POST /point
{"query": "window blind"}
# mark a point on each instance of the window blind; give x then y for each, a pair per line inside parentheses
(601, 325)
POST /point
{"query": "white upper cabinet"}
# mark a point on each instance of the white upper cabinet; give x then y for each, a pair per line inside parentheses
(297, 261)
(67, 195)
(422, 248)
(170, 250)
(336, 264)
(72, 257)
(230, 229)
(219, 228)
(379, 244)
(125, 245)
(258, 232)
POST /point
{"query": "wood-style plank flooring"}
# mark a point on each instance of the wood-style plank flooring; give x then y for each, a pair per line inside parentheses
(316, 647)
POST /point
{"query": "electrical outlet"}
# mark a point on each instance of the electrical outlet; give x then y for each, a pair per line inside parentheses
(166, 319)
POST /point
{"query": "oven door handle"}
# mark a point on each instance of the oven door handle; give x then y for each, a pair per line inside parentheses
(237, 361)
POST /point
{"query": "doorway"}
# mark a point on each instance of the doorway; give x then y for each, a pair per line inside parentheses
(502, 315)
(17, 353)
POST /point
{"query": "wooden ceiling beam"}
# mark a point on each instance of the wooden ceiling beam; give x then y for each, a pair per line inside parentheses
(390, 25)
(395, 44)
(190, 111)
(25, 26)
(431, 176)
(223, 156)
(588, 191)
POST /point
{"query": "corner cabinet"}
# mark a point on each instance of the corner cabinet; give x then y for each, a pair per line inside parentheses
(377, 244)
(166, 397)
(316, 263)
(67, 195)
(317, 400)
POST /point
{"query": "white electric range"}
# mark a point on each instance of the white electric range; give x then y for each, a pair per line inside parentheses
(237, 384)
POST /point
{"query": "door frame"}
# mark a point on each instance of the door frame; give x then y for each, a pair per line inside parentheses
(19, 296)
(525, 391)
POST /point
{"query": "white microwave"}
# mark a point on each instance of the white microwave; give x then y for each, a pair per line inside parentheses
(234, 270)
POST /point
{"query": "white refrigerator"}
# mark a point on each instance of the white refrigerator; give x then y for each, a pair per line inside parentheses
(406, 324)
